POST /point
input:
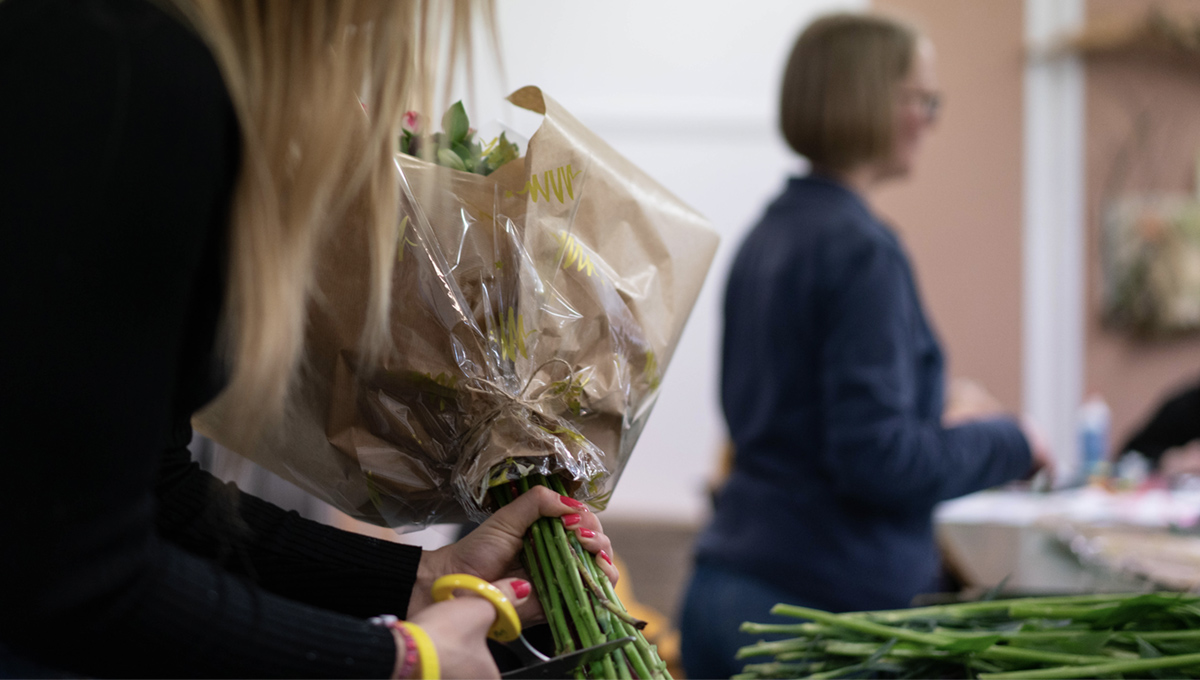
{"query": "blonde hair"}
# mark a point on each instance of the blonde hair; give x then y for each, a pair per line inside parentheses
(319, 87)
(836, 104)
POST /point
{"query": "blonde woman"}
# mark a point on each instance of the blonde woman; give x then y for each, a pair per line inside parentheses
(167, 171)
(832, 377)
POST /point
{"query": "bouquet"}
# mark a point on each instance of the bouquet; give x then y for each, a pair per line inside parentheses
(536, 303)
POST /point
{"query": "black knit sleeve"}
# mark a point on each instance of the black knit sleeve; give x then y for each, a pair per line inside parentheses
(118, 146)
(279, 550)
(1174, 423)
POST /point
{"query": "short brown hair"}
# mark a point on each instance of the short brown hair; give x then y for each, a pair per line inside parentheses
(835, 107)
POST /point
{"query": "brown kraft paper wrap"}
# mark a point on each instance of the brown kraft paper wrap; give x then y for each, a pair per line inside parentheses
(534, 312)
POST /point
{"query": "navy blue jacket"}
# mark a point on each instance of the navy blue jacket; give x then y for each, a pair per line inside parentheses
(832, 387)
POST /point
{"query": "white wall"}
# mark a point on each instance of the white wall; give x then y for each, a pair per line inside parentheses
(686, 90)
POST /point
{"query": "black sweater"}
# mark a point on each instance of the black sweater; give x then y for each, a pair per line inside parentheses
(118, 153)
(1174, 423)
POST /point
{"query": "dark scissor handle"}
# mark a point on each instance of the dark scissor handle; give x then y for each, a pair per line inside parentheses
(563, 666)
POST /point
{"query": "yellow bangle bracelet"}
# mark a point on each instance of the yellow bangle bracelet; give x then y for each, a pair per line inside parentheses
(430, 669)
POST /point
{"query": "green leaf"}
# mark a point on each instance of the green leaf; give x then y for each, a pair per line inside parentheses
(502, 151)
(1087, 643)
(995, 591)
(1147, 650)
(971, 644)
(450, 159)
(881, 652)
(455, 123)
(1137, 609)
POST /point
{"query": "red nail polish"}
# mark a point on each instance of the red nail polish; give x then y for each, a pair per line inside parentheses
(606, 558)
(572, 503)
(520, 589)
(571, 519)
(586, 533)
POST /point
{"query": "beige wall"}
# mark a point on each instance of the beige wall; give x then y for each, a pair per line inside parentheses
(1134, 375)
(960, 214)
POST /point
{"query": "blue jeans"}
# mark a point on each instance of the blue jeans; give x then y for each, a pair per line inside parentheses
(716, 604)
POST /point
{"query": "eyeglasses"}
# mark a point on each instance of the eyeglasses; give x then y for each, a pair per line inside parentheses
(930, 101)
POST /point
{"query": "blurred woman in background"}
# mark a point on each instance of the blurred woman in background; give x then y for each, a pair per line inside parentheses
(169, 170)
(832, 377)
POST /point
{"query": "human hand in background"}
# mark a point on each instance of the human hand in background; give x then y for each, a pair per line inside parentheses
(1043, 458)
(491, 551)
(1180, 460)
(967, 400)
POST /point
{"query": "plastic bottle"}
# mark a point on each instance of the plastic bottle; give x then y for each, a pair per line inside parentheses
(1094, 418)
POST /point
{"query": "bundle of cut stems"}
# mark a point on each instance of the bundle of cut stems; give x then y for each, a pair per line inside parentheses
(580, 604)
(1088, 636)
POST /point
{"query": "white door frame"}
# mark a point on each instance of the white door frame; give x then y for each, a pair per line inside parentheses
(1054, 245)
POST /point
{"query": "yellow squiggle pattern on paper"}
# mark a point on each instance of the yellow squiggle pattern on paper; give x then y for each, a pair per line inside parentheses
(560, 181)
(512, 335)
(572, 252)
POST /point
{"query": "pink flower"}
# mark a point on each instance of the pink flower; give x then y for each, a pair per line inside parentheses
(411, 122)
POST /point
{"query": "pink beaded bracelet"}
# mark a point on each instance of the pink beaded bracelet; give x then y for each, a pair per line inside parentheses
(411, 654)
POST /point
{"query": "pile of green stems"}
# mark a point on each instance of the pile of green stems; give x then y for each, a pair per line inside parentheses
(1136, 635)
(581, 605)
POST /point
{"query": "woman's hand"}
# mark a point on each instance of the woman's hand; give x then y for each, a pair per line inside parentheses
(967, 400)
(458, 629)
(1042, 458)
(492, 550)
(1180, 460)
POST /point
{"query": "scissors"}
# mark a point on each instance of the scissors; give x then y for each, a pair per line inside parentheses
(507, 628)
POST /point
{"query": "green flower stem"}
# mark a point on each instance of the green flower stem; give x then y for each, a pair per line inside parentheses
(588, 572)
(780, 670)
(638, 651)
(585, 618)
(548, 595)
(966, 610)
(784, 628)
(621, 664)
(776, 647)
(836, 673)
(866, 649)
(1099, 670)
(552, 604)
(862, 625)
(645, 659)
(608, 626)
(591, 573)
(966, 639)
(543, 537)
(1158, 635)
(603, 616)
(931, 639)
(577, 598)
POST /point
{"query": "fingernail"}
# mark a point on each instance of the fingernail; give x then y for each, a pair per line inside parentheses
(520, 589)
(605, 557)
(571, 519)
(572, 503)
(586, 533)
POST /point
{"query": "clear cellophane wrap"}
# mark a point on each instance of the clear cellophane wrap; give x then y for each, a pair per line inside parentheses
(534, 312)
